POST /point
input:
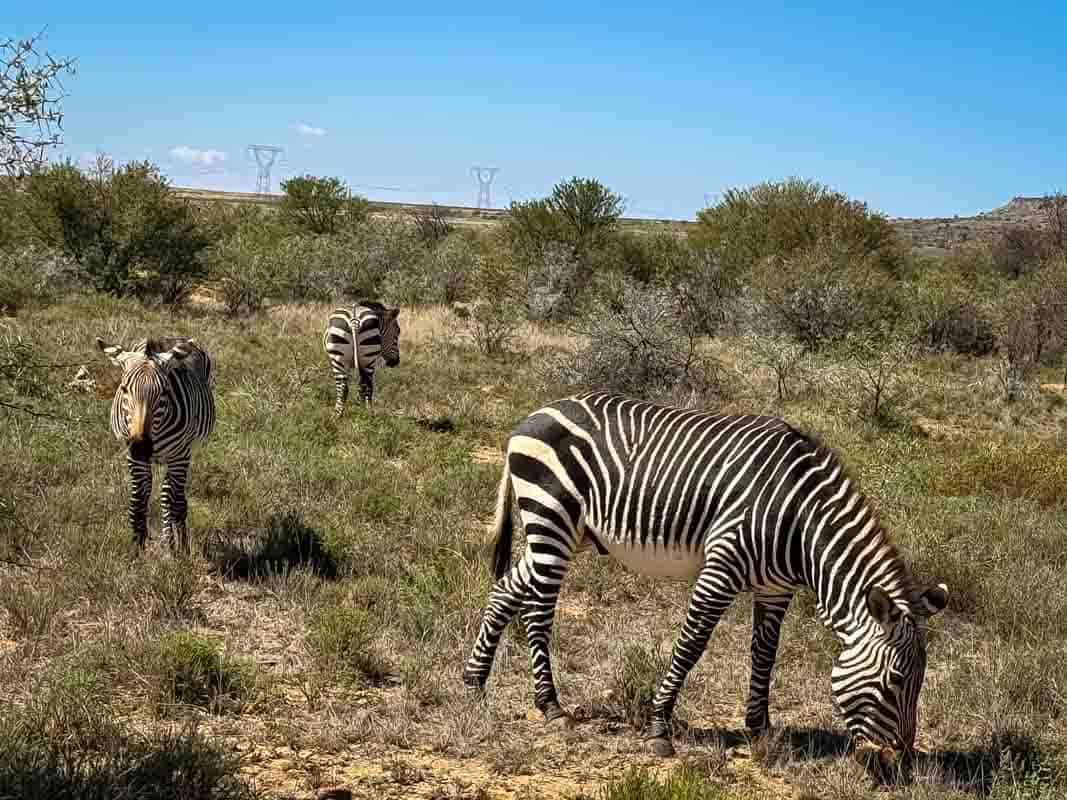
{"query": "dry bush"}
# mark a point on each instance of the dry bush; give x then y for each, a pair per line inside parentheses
(432, 226)
(959, 327)
(872, 371)
(637, 341)
(787, 359)
(819, 296)
(33, 275)
(493, 321)
(548, 279)
(444, 274)
(1019, 251)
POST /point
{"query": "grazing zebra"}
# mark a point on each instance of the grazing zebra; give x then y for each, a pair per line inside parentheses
(377, 334)
(162, 405)
(740, 503)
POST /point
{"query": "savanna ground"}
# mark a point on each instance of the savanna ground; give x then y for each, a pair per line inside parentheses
(317, 635)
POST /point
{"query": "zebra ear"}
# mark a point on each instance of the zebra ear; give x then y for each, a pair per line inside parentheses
(880, 606)
(934, 599)
(113, 352)
(180, 351)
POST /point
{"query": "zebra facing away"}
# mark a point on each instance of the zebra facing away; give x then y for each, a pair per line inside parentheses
(740, 503)
(358, 338)
(162, 405)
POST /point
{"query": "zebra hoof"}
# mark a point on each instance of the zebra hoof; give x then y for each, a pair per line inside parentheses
(558, 719)
(758, 727)
(474, 687)
(661, 747)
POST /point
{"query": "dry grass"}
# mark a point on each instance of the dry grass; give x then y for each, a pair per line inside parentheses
(342, 569)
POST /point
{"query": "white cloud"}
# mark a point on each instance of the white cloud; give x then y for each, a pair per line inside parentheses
(195, 156)
(309, 130)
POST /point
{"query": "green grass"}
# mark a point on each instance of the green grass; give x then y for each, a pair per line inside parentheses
(341, 568)
(684, 783)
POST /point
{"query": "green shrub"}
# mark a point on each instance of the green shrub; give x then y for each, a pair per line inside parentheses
(341, 645)
(581, 214)
(633, 685)
(683, 783)
(320, 205)
(790, 217)
(192, 670)
(122, 226)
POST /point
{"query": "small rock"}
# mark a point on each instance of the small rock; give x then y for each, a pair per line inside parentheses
(334, 793)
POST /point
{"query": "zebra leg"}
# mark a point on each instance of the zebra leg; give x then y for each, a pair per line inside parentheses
(505, 599)
(173, 502)
(366, 386)
(140, 492)
(716, 587)
(768, 610)
(538, 614)
(340, 380)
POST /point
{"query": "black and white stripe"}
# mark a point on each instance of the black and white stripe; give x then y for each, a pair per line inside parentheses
(163, 404)
(740, 503)
(358, 338)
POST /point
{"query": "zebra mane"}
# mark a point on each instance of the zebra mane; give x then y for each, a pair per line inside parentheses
(373, 305)
(153, 347)
(822, 451)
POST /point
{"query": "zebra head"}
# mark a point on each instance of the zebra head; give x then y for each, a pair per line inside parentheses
(391, 337)
(876, 680)
(141, 394)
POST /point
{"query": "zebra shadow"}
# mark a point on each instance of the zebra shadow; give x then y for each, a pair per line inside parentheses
(788, 743)
(971, 771)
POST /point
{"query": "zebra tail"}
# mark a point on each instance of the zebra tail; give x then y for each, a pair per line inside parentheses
(504, 527)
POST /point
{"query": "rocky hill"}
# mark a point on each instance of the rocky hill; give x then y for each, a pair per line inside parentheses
(945, 232)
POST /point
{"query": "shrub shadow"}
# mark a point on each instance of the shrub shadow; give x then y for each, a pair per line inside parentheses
(284, 544)
(436, 424)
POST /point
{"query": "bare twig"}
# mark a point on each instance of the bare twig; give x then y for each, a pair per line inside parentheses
(30, 411)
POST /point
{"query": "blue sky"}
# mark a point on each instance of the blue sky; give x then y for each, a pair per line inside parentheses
(919, 109)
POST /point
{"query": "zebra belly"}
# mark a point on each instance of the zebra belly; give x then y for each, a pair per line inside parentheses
(654, 558)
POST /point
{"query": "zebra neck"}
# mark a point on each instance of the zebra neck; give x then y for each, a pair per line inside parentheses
(846, 552)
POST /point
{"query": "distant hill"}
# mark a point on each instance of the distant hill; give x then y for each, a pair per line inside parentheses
(945, 232)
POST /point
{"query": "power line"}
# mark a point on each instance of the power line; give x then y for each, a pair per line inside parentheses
(265, 155)
(484, 176)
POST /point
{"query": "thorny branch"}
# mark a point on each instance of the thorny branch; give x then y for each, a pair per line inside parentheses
(31, 93)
